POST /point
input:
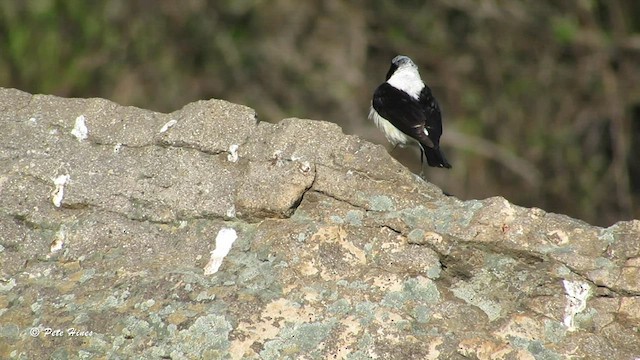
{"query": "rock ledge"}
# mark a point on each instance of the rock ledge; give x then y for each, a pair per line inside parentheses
(109, 215)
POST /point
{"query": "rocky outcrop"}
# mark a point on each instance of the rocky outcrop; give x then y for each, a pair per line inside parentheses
(110, 214)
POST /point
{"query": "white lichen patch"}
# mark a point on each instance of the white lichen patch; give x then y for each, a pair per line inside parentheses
(233, 153)
(80, 130)
(224, 240)
(58, 192)
(168, 125)
(577, 293)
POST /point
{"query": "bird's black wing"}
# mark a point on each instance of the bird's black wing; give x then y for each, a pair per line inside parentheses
(433, 124)
(433, 115)
(409, 115)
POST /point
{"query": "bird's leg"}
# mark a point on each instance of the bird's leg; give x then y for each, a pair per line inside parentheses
(422, 155)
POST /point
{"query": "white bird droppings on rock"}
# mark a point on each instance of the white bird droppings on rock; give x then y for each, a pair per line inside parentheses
(577, 294)
(305, 167)
(80, 130)
(224, 240)
(58, 192)
(233, 153)
(168, 125)
(231, 212)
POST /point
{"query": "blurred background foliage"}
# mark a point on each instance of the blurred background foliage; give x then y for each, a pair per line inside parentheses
(541, 99)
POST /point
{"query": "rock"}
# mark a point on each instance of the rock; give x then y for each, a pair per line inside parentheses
(341, 251)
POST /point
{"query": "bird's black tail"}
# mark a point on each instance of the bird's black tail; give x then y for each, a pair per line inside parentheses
(435, 157)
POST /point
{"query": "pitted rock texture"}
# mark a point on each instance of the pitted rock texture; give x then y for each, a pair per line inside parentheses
(341, 252)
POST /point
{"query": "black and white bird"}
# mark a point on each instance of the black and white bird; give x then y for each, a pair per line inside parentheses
(406, 111)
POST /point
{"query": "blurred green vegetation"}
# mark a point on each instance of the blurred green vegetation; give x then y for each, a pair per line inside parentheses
(541, 98)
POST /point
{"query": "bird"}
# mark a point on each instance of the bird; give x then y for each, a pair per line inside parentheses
(406, 111)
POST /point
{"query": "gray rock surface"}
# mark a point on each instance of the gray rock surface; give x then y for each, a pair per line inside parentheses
(341, 252)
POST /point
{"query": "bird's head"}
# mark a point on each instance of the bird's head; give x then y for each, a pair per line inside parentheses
(401, 62)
